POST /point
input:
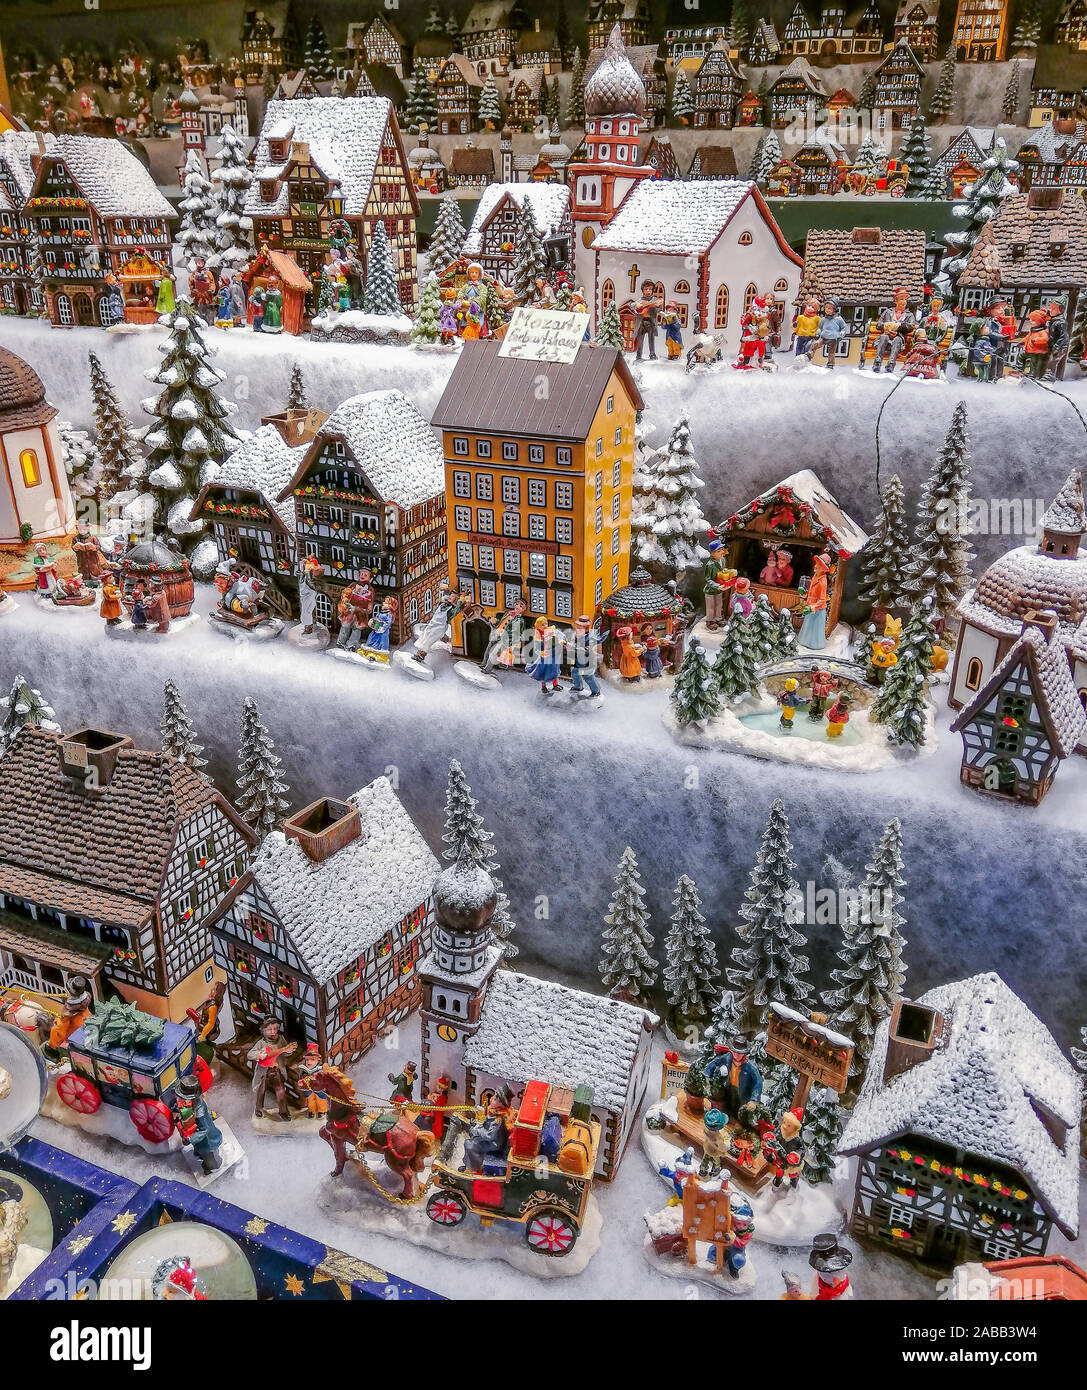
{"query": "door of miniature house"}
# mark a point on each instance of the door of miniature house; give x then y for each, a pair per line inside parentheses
(81, 308)
(477, 632)
(1001, 776)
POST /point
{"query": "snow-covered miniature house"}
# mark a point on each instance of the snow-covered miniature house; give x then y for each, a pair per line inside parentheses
(482, 1026)
(20, 290)
(492, 238)
(35, 500)
(801, 517)
(325, 929)
(1051, 575)
(966, 1129)
(128, 855)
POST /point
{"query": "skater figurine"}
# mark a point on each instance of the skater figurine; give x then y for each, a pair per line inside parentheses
(583, 651)
(741, 600)
(894, 325)
(354, 609)
(806, 327)
(822, 683)
(489, 1137)
(922, 362)
(137, 607)
(238, 303)
(110, 608)
(647, 309)
(717, 581)
(88, 555)
(309, 572)
(256, 309)
(838, 716)
(196, 1125)
(544, 663)
(1059, 341)
(813, 630)
(831, 1263)
(652, 662)
(437, 628)
(403, 1082)
(269, 1056)
(73, 1014)
(506, 639)
(310, 1065)
(790, 700)
(630, 652)
(754, 334)
(158, 607)
(880, 659)
(673, 330)
(832, 329)
(376, 646)
(1036, 343)
(206, 1020)
(224, 315)
(45, 571)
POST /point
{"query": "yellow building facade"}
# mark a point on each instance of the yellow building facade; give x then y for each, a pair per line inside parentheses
(981, 31)
(539, 462)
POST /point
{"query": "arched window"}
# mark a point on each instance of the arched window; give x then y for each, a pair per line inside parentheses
(749, 295)
(413, 609)
(782, 287)
(64, 309)
(745, 239)
(658, 289)
(428, 603)
(682, 287)
(32, 473)
(720, 317)
(106, 315)
(973, 674)
(607, 296)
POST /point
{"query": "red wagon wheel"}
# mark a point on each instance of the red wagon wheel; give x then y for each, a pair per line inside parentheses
(447, 1208)
(152, 1119)
(78, 1093)
(202, 1072)
(551, 1232)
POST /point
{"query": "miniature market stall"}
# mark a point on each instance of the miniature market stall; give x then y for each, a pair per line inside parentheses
(279, 269)
(140, 277)
(147, 561)
(647, 607)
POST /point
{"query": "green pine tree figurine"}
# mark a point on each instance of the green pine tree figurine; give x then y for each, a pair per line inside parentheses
(425, 329)
(733, 667)
(694, 695)
(610, 330)
(627, 970)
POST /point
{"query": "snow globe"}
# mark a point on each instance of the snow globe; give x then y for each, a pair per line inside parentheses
(26, 1231)
(22, 1084)
(180, 1260)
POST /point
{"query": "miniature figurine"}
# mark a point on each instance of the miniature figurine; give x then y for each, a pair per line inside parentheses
(110, 607)
(734, 1079)
(165, 301)
(114, 308)
(543, 664)
(403, 1084)
(73, 1014)
(583, 650)
(196, 1125)
(438, 1098)
(447, 317)
(789, 700)
(794, 1287)
(985, 354)
(783, 1148)
(922, 362)
(813, 630)
(272, 319)
(894, 324)
(673, 330)
(202, 290)
(71, 593)
(238, 302)
(754, 334)
(647, 309)
(256, 308)
(743, 1228)
(206, 1019)
(630, 665)
(716, 583)
(224, 317)
(137, 608)
(832, 329)
(822, 683)
(831, 1263)
(269, 1058)
(309, 572)
(806, 328)
(449, 604)
(652, 662)
(355, 608)
(741, 600)
(308, 1069)
(506, 639)
(489, 1137)
(545, 295)
(174, 1280)
(881, 657)
(88, 555)
(1059, 340)
(376, 647)
(158, 607)
(45, 571)
(838, 716)
(1036, 343)
(13, 1219)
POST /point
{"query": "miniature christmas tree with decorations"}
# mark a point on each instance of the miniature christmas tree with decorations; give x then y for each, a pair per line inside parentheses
(196, 235)
(884, 579)
(942, 99)
(627, 970)
(426, 329)
(178, 734)
(734, 665)
(676, 526)
(447, 239)
(233, 234)
(820, 1135)
(694, 695)
(120, 460)
(691, 976)
(610, 331)
(939, 562)
(682, 105)
(464, 832)
(381, 295)
(24, 705)
(262, 795)
(531, 264)
(980, 204)
(767, 965)
(872, 972)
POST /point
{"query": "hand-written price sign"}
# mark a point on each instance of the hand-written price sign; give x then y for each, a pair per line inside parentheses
(543, 335)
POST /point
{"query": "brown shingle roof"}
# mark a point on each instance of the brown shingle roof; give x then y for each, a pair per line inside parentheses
(715, 162)
(863, 264)
(1022, 222)
(499, 395)
(1064, 69)
(469, 160)
(22, 395)
(53, 945)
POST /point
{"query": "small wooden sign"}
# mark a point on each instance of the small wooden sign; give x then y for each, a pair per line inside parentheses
(543, 335)
(809, 1047)
(673, 1077)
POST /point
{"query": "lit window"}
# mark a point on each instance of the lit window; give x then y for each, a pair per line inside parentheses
(28, 462)
(537, 492)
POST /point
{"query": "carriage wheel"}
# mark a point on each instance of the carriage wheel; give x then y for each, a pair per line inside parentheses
(447, 1208)
(79, 1094)
(152, 1119)
(202, 1072)
(551, 1232)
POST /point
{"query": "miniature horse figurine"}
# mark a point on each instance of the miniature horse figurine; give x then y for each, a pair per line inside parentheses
(352, 1128)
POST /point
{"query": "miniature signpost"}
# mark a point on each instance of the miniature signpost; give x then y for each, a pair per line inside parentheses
(543, 335)
(812, 1049)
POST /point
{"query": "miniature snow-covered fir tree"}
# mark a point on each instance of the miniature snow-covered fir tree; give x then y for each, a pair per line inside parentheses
(694, 694)
(178, 734)
(915, 154)
(766, 965)
(191, 434)
(425, 328)
(233, 248)
(296, 391)
(871, 972)
(421, 111)
(80, 459)
(490, 106)
(464, 832)
(1028, 28)
(610, 331)
(317, 55)
(944, 95)
(762, 627)
(919, 636)
(678, 526)
(120, 459)
(448, 235)
(767, 156)
(691, 974)
(575, 98)
(726, 1019)
(870, 156)
(262, 795)
(939, 562)
(734, 667)
(1009, 105)
(866, 98)
(627, 970)
(740, 25)
(24, 705)
(901, 706)
(381, 295)
(196, 235)
(787, 640)
(884, 576)
(682, 99)
(980, 203)
(820, 1134)
(531, 263)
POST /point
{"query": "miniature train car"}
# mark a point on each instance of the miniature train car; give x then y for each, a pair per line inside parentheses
(543, 1182)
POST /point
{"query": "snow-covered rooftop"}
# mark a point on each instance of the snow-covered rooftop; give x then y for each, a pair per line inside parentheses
(1065, 514)
(264, 463)
(16, 149)
(807, 487)
(981, 1092)
(549, 202)
(392, 444)
(337, 909)
(111, 177)
(669, 215)
(1026, 580)
(536, 1030)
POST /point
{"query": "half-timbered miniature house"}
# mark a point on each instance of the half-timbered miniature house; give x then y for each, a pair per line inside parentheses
(457, 90)
(800, 516)
(1042, 156)
(717, 87)
(34, 491)
(539, 47)
(822, 165)
(981, 31)
(492, 238)
(489, 34)
(1058, 84)
(917, 22)
(92, 204)
(296, 86)
(966, 1130)
(863, 269)
(660, 155)
(765, 46)
(752, 109)
(325, 929)
(482, 1026)
(796, 92)
(471, 167)
(329, 161)
(632, 16)
(20, 290)
(130, 853)
(1071, 28)
(524, 96)
(270, 39)
(369, 493)
(961, 161)
(837, 34)
(897, 93)
(713, 162)
(691, 33)
(380, 41)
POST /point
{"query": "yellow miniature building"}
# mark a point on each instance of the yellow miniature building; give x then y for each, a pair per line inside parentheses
(539, 459)
(981, 31)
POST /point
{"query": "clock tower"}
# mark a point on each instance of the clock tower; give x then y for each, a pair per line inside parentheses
(611, 167)
(456, 972)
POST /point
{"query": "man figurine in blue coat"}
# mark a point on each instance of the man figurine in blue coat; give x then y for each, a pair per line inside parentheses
(196, 1125)
(732, 1076)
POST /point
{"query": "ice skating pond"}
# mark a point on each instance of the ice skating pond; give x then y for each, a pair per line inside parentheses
(810, 730)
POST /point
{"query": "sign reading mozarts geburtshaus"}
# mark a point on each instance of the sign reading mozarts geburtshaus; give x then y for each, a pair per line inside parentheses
(543, 335)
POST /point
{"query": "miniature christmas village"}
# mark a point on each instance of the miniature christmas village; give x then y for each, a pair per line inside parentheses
(381, 398)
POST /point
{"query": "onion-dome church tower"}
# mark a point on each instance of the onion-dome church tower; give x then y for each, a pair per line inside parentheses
(611, 167)
(456, 971)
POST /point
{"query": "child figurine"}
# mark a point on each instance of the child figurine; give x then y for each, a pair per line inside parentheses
(195, 1123)
(813, 630)
(838, 716)
(138, 608)
(1036, 343)
(376, 647)
(630, 652)
(822, 683)
(785, 568)
(741, 601)
(447, 318)
(647, 309)
(110, 607)
(224, 316)
(651, 655)
(754, 335)
(789, 700)
(673, 330)
(769, 574)
(403, 1084)
(544, 664)
(310, 1065)
(256, 308)
(832, 329)
(880, 659)
(922, 362)
(202, 290)
(806, 327)
(45, 571)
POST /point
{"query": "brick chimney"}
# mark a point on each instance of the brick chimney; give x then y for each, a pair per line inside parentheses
(89, 756)
(324, 827)
(1044, 619)
(916, 1033)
